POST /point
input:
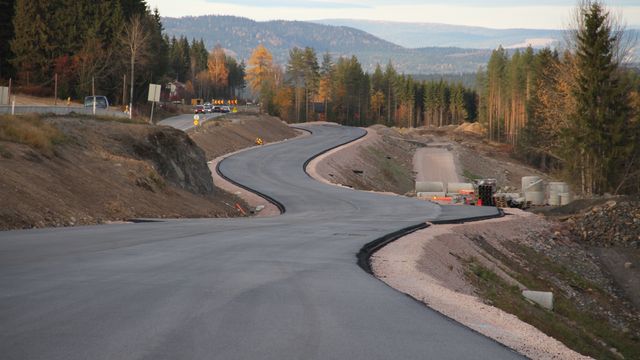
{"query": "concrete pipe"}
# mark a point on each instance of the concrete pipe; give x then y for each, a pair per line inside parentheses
(455, 188)
(430, 195)
(532, 183)
(535, 197)
(558, 187)
(565, 199)
(430, 186)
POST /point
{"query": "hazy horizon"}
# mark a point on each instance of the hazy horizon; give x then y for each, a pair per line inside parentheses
(493, 14)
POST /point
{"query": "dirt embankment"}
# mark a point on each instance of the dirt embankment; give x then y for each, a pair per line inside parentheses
(238, 131)
(107, 171)
(474, 273)
(381, 162)
(96, 171)
(479, 158)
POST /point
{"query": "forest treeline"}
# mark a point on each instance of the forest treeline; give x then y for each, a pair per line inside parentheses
(339, 90)
(575, 112)
(85, 45)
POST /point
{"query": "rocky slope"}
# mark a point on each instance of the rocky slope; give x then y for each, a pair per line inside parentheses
(103, 171)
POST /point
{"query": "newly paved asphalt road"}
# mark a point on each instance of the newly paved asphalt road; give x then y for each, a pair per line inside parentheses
(285, 287)
(185, 122)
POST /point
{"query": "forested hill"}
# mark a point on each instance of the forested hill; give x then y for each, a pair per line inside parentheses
(241, 36)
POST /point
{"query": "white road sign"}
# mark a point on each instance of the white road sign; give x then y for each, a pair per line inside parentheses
(154, 92)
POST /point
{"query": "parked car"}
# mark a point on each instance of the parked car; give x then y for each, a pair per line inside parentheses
(199, 109)
(101, 101)
(208, 107)
(225, 109)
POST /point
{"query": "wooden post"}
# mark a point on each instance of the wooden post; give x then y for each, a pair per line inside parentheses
(93, 91)
(124, 89)
(151, 119)
(55, 91)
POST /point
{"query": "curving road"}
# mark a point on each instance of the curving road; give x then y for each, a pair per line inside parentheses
(285, 287)
(185, 122)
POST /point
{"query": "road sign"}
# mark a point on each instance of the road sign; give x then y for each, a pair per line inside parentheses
(4, 95)
(196, 120)
(154, 92)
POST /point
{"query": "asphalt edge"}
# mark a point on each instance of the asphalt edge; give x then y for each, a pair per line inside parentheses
(273, 201)
(365, 253)
(500, 214)
(306, 163)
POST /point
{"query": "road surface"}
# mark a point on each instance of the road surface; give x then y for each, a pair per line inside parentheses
(185, 122)
(285, 287)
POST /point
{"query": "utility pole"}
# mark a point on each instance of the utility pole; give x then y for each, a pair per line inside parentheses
(93, 91)
(55, 91)
(124, 89)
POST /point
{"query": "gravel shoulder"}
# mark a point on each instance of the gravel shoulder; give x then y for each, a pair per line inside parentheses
(426, 266)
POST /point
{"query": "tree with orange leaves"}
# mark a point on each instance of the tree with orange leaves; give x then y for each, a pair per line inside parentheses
(218, 72)
(260, 73)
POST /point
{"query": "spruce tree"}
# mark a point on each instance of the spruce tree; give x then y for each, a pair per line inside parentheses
(596, 141)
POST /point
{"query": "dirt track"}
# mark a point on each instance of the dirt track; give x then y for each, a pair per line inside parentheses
(435, 164)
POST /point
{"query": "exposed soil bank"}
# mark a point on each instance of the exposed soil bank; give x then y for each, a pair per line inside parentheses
(107, 171)
(238, 131)
(101, 171)
(382, 161)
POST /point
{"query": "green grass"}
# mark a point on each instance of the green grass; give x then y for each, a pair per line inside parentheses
(470, 176)
(392, 170)
(30, 130)
(583, 330)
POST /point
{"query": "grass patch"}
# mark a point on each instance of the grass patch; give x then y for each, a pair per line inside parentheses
(30, 130)
(107, 118)
(470, 176)
(391, 170)
(587, 331)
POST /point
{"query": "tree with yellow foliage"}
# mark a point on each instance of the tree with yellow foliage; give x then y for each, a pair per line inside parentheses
(218, 72)
(284, 102)
(260, 73)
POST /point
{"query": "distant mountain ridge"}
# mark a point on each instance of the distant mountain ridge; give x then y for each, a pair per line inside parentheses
(242, 35)
(417, 35)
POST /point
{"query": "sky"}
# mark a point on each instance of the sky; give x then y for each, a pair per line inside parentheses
(538, 14)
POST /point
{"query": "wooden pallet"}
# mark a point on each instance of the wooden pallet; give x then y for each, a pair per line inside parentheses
(501, 201)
